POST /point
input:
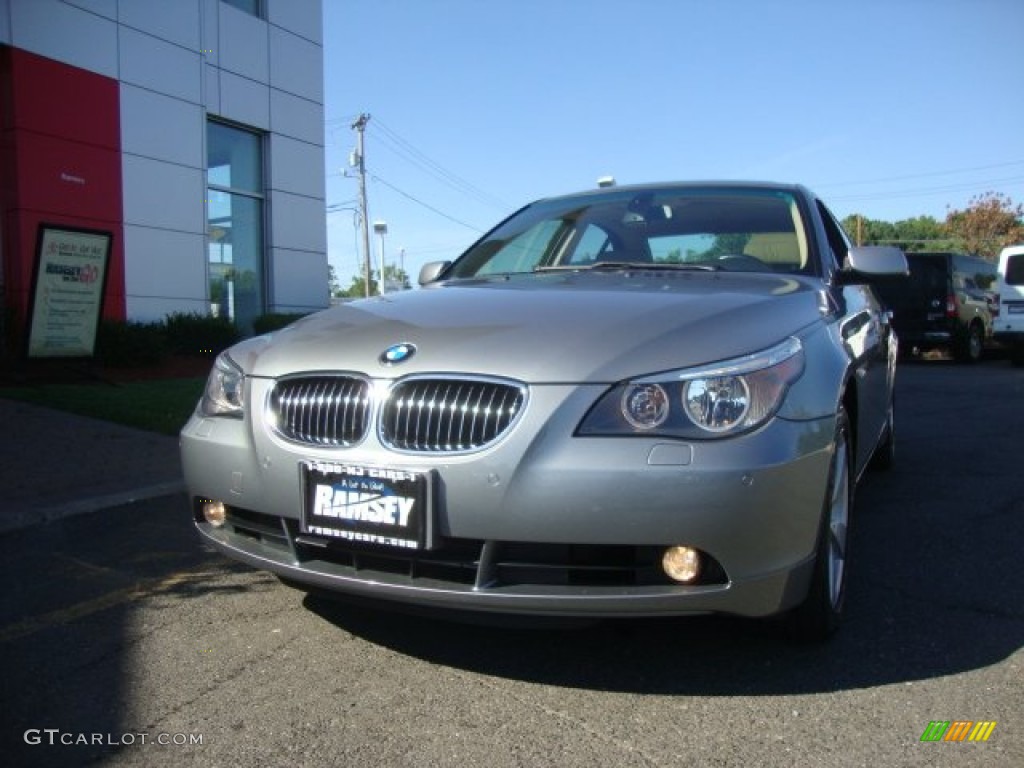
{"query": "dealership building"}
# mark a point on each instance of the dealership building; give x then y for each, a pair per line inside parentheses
(185, 137)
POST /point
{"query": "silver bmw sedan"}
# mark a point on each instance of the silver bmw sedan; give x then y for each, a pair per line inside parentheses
(632, 401)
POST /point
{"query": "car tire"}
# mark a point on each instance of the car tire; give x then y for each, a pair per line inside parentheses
(1017, 355)
(817, 618)
(971, 348)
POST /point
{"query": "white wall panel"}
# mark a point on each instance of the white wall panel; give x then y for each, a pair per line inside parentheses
(176, 22)
(106, 8)
(177, 61)
(145, 309)
(303, 17)
(65, 33)
(211, 99)
(160, 66)
(296, 117)
(296, 166)
(5, 27)
(242, 45)
(163, 195)
(161, 127)
(164, 265)
(296, 65)
(209, 41)
(299, 281)
(244, 100)
(298, 223)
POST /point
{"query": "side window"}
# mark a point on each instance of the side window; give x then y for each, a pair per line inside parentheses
(987, 277)
(593, 244)
(1015, 270)
(524, 252)
(837, 239)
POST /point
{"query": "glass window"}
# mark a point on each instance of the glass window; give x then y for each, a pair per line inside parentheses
(235, 223)
(249, 6)
(235, 158)
(838, 242)
(716, 228)
(1015, 270)
(593, 244)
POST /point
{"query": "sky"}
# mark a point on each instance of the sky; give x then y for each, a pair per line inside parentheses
(888, 108)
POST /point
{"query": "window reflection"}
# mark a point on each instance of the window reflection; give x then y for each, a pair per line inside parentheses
(235, 224)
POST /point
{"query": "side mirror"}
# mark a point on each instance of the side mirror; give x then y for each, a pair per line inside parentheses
(432, 270)
(865, 263)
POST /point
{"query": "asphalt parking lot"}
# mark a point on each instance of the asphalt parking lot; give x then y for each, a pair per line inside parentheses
(125, 643)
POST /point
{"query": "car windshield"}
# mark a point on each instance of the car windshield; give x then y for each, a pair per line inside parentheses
(757, 230)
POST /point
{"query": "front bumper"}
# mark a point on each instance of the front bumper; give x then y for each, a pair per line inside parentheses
(543, 523)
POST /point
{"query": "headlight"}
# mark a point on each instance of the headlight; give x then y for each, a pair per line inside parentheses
(224, 393)
(717, 400)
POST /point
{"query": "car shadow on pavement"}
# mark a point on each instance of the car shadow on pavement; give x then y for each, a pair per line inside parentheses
(937, 589)
(936, 582)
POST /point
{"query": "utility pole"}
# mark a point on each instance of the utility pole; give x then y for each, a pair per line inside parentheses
(360, 127)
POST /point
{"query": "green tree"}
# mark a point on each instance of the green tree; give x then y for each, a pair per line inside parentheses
(333, 286)
(921, 233)
(865, 231)
(395, 279)
(989, 223)
(357, 289)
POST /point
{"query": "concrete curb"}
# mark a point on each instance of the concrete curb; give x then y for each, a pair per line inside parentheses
(25, 518)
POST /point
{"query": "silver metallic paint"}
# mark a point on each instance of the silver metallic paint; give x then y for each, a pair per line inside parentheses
(754, 502)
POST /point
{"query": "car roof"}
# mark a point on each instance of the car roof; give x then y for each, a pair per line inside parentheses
(796, 189)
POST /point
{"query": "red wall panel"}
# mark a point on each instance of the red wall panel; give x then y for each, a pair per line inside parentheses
(60, 163)
(68, 102)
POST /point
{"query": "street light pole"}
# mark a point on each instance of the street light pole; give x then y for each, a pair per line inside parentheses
(360, 127)
(381, 228)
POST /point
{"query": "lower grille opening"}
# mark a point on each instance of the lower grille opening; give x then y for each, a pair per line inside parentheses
(266, 529)
(469, 562)
(458, 561)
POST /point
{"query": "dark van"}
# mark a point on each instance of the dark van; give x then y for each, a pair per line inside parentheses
(947, 303)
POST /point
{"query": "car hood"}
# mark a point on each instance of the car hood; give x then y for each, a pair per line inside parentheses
(549, 328)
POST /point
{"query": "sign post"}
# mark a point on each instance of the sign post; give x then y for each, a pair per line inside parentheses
(67, 291)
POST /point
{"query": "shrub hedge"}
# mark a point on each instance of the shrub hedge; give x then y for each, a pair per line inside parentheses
(192, 333)
(124, 344)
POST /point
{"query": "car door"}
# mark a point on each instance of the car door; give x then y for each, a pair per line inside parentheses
(867, 335)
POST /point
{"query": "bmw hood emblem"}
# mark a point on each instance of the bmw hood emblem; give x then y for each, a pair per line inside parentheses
(397, 353)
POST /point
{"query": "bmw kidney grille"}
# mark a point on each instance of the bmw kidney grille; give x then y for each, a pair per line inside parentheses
(422, 415)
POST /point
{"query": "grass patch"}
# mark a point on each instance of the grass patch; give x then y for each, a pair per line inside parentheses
(160, 405)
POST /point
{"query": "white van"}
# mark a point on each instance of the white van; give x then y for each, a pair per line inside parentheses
(1008, 327)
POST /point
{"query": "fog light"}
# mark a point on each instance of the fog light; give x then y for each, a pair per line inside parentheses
(215, 513)
(681, 564)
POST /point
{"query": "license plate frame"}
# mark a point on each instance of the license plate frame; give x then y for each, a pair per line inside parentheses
(378, 506)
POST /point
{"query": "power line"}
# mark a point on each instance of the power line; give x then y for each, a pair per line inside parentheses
(927, 191)
(921, 175)
(425, 205)
(411, 154)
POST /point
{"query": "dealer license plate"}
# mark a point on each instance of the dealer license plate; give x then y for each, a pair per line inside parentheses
(1015, 308)
(373, 505)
